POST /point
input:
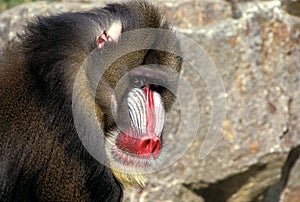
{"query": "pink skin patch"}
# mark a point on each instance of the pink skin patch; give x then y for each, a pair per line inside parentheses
(143, 145)
(111, 35)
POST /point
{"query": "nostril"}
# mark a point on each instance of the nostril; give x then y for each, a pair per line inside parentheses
(155, 146)
(147, 141)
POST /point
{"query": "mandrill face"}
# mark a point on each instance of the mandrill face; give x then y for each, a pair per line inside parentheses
(135, 146)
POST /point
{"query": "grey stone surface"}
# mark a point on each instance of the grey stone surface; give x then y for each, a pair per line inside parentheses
(258, 59)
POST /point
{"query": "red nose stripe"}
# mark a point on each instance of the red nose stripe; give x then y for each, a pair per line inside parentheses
(150, 118)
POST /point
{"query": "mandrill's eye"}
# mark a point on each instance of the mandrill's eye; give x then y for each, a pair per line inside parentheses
(137, 82)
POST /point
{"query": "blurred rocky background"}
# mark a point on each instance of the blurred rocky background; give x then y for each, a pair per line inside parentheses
(256, 48)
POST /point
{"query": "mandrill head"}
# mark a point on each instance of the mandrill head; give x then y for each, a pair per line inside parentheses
(139, 72)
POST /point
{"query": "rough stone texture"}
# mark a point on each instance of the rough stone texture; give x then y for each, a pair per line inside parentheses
(291, 6)
(292, 190)
(258, 58)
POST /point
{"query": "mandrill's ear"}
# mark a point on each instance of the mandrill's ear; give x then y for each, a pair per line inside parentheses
(111, 35)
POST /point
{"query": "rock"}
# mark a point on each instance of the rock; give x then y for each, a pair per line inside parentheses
(292, 6)
(291, 192)
(256, 157)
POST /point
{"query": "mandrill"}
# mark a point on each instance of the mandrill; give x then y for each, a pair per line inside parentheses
(65, 75)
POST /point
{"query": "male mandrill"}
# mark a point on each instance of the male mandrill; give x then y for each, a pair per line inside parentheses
(42, 79)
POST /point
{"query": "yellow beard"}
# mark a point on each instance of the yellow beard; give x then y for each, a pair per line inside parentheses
(129, 180)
